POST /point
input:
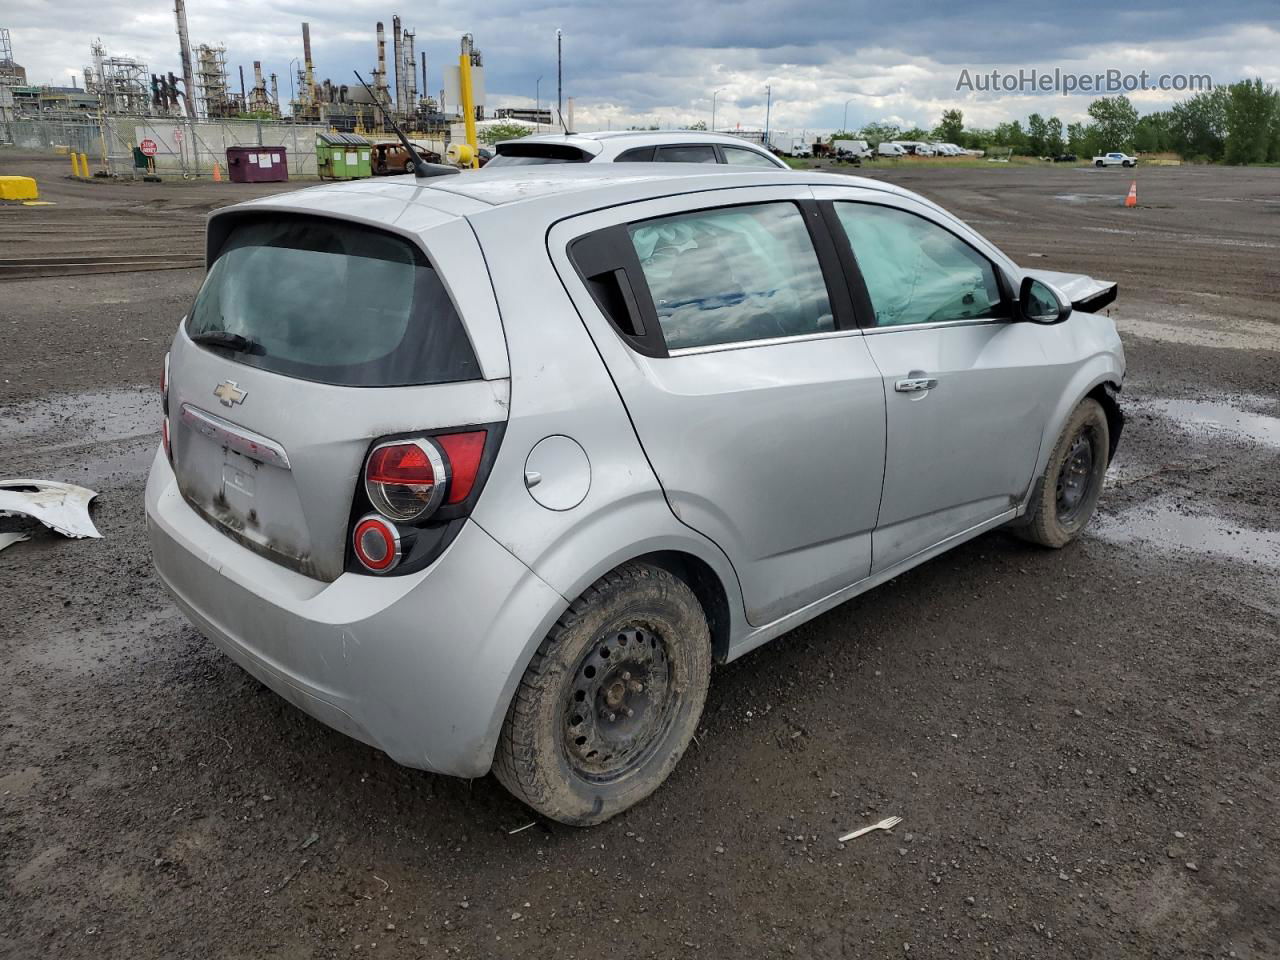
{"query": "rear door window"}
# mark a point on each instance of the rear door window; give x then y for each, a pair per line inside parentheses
(742, 157)
(332, 302)
(732, 275)
(636, 155)
(688, 153)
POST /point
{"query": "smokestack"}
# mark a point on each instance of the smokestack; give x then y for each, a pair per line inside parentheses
(275, 93)
(380, 85)
(397, 60)
(244, 102)
(309, 86)
(425, 88)
(184, 51)
(410, 74)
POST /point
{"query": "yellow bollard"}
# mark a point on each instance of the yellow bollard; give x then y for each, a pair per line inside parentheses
(84, 165)
(75, 165)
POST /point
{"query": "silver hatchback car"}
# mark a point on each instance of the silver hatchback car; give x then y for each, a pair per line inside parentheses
(487, 470)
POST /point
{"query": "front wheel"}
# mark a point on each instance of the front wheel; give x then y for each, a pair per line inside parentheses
(408, 166)
(1068, 491)
(610, 700)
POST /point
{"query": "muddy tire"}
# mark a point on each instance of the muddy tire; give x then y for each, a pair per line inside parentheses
(610, 700)
(1067, 493)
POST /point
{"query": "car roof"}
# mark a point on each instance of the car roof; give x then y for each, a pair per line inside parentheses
(564, 189)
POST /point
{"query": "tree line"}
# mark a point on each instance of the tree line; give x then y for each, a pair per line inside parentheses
(1238, 123)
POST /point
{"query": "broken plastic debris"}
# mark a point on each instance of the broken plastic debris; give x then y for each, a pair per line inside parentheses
(9, 539)
(63, 507)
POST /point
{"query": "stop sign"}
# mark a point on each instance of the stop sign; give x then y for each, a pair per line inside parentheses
(148, 148)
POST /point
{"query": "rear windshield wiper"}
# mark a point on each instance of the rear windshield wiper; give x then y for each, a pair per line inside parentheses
(234, 342)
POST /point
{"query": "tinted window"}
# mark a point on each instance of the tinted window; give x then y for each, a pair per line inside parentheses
(689, 153)
(915, 271)
(636, 155)
(333, 302)
(742, 157)
(731, 275)
(517, 153)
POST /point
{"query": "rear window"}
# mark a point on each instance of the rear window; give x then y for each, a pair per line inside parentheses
(516, 154)
(332, 302)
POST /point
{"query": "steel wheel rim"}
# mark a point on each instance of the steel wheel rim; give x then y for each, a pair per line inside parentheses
(620, 705)
(1075, 478)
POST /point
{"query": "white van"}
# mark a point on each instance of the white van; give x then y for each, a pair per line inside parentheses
(889, 149)
(850, 149)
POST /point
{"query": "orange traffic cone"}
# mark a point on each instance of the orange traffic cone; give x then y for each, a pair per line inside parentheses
(1132, 199)
(217, 172)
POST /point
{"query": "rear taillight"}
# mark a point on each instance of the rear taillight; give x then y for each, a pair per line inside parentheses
(406, 479)
(420, 487)
(165, 440)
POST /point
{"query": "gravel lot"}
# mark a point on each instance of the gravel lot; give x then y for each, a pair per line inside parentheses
(1082, 743)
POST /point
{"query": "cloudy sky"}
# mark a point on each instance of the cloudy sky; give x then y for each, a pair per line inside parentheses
(659, 61)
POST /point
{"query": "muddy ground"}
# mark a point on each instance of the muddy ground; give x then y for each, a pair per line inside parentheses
(1082, 744)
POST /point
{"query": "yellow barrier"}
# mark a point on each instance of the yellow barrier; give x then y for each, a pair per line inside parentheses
(18, 188)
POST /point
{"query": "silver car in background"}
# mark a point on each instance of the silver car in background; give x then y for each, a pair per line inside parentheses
(487, 471)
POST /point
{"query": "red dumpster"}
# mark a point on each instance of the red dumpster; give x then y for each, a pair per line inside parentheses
(257, 164)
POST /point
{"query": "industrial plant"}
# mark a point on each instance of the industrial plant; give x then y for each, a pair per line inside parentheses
(206, 87)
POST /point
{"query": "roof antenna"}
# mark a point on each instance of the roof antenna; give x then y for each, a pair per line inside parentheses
(421, 169)
(563, 126)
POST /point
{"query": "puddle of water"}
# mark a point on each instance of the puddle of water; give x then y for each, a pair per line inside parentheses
(54, 423)
(1161, 525)
(1207, 418)
(1089, 197)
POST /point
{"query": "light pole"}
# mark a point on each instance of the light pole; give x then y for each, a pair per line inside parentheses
(292, 95)
(559, 77)
(537, 105)
(714, 94)
(767, 109)
(844, 124)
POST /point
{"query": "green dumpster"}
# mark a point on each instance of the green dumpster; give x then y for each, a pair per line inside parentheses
(342, 156)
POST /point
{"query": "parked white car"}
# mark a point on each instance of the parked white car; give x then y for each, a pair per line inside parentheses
(888, 149)
(1116, 159)
(635, 146)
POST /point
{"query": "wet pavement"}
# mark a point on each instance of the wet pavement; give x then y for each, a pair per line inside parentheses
(1081, 742)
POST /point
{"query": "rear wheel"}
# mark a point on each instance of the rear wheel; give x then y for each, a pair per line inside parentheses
(1068, 492)
(1097, 163)
(610, 700)
(408, 166)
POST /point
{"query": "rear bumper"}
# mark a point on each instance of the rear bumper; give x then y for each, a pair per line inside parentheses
(420, 666)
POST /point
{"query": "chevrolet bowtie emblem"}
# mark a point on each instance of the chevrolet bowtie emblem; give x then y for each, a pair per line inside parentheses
(229, 392)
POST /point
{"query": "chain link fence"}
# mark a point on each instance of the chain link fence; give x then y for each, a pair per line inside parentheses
(182, 149)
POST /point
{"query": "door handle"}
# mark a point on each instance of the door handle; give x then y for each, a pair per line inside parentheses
(915, 384)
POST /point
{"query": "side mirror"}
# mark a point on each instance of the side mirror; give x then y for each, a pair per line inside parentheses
(1039, 303)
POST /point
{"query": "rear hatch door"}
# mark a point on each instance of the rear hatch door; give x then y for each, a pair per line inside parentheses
(311, 338)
